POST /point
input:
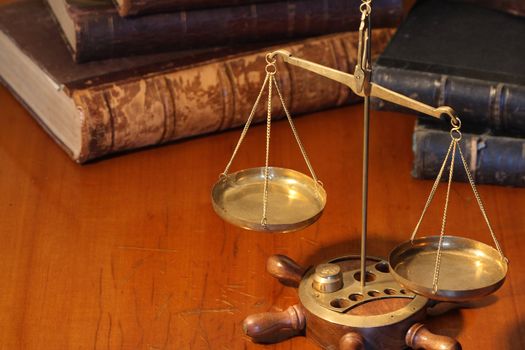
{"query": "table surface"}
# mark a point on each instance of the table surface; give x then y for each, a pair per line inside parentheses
(128, 253)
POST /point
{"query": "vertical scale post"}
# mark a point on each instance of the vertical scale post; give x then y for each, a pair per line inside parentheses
(364, 204)
(366, 66)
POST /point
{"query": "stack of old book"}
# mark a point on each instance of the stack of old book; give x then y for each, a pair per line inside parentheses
(104, 78)
(472, 58)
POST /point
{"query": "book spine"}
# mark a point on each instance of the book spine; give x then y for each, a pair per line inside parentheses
(104, 34)
(491, 159)
(498, 106)
(141, 7)
(169, 106)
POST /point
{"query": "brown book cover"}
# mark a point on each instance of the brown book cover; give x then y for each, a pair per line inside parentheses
(140, 7)
(99, 108)
(94, 30)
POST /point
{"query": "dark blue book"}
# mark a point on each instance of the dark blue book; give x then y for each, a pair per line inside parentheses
(465, 56)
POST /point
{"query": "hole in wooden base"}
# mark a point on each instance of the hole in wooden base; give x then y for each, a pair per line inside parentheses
(340, 303)
(373, 293)
(382, 267)
(390, 291)
(356, 297)
(369, 276)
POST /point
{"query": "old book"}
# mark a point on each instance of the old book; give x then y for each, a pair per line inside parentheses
(461, 55)
(140, 7)
(99, 108)
(492, 159)
(94, 29)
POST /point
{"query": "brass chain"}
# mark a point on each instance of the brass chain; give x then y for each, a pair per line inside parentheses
(432, 192)
(481, 207)
(444, 221)
(296, 134)
(270, 71)
(246, 127)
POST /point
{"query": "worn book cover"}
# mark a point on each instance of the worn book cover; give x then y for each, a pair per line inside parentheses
(492, 159)
(461, 55)
(94, 30)
(104, 107)
(140, 7)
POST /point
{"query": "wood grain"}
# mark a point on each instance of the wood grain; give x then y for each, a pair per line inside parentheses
(127, 253)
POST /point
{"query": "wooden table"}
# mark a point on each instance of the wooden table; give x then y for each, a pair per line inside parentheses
(127, 253)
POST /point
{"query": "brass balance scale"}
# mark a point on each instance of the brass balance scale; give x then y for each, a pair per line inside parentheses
(356, 302)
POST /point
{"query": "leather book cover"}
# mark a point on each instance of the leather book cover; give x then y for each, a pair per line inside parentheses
(128, 103)
(140, 7)
(461, 55)
(492, 159)
(100, 33)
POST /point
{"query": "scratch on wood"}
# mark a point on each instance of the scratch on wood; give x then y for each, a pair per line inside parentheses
(163, 307)
(134, 269)
(152, 289)
(121, 335)
(182, 318)
(203, 293)
(164, 346)
(262, 251)
(276, 309)
(235, 246)
(204, 336)
(166, 220)
(99, 308)
(109, 331)
(47, 280)
(230, 310)
(225, 302)
(310, 241)
(112, 265)
(242, 293)
(260, 303)
(223, 241)
(160, 250)
(137, 319)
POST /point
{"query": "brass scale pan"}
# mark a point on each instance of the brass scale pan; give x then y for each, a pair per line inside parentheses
(295, 200)
(469, 269)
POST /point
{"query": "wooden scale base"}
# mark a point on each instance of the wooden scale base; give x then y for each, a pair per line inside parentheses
(337, 313)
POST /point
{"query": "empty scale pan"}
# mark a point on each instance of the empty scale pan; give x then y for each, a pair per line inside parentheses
(468, 269)
(294, 200)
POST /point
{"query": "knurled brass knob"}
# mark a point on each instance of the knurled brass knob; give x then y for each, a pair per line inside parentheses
(328, 278)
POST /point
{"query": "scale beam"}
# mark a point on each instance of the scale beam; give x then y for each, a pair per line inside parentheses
(373, 90)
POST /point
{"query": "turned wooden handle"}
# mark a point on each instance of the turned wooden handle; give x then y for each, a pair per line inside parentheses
(287, 271)
(418, 337)
(352, 341)
(269, 327)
